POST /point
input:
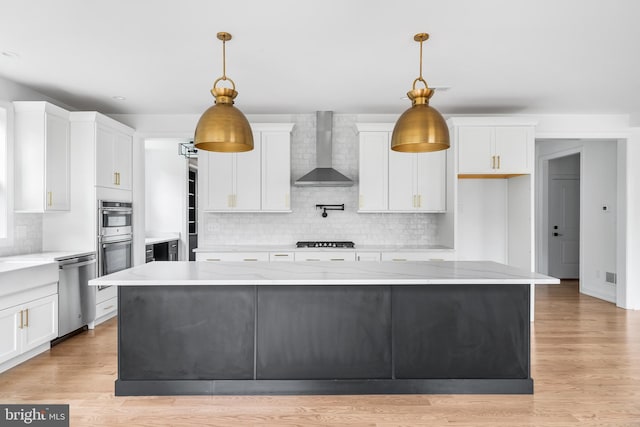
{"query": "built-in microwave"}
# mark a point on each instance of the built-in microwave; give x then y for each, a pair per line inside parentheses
(114, 218)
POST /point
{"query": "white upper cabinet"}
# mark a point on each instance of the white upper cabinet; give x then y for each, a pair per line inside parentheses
(254, 181)
(41, 157)
(233, 179)
(113, 158)
(398, 182)
(373, 171)
(494, 149)
(276, 171)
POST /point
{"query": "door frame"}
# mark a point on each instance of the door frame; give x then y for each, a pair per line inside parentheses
(542, 208)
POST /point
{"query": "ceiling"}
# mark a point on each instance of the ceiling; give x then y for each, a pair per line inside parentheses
(349, 56)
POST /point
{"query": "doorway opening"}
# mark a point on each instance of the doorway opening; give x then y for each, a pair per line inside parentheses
(576, 209)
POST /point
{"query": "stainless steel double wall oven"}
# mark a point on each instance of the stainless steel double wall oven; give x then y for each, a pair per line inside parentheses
(115, 236)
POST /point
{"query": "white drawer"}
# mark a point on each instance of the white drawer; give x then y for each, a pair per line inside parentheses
(281, 256)
(106, 307)
(106, 293)
(325, 256)
(232, 256)
(418, 256)
(368, 256)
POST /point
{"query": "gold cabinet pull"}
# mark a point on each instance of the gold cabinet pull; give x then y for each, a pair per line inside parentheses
(49, 198)
(498, 162)
(250, 259)
(399, 259)
(281, 255)
(108, 307)
(336, 259)
(493, 162)
(21, 319)
(213, 259)
(26, 322)
(419, 200)
(414, 201)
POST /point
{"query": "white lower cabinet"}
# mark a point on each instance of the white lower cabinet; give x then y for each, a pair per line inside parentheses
(27, 326)
(325, 256)
(106, 304)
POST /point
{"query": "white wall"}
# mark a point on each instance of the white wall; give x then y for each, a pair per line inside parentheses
(598, 232)
(165, 188)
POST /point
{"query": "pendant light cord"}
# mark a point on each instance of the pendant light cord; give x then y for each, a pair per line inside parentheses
(224, 59)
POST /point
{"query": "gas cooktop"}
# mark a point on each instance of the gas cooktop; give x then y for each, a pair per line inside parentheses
(324, 244)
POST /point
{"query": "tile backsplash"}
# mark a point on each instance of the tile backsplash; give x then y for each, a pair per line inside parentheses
(27, 235)
(306, 222)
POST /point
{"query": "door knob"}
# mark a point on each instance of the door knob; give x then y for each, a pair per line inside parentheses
(557, 234)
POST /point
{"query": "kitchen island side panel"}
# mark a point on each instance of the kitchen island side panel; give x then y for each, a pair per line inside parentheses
(461, 332)
(186, 332)
(323, 332)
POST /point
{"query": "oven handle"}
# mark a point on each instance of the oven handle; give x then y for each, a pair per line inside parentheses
(125, 210)
(118, 243)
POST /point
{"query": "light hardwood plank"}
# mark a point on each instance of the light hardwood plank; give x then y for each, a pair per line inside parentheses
(585, 363)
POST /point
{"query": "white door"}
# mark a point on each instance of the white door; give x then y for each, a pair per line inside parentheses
(276, 170)
(247, 177)
(373, 171)
(402, 181)
(475, 150)
(57, 163)
(10, 333)
(217, 169)
(105, 175)
(122, 160)
(431, 181)
(41, 322)
(512, 149)
(564, 227)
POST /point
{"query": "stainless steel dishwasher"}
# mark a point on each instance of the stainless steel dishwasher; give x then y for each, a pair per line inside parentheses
(76, 299)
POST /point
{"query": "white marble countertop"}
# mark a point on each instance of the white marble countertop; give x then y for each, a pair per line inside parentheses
(322, 273)
(161, 238)
(50, 256)
(292, 248)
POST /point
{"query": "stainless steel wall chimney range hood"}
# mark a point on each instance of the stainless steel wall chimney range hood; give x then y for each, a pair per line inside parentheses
(324, 175)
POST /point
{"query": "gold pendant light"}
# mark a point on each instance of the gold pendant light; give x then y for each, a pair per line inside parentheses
(223, 127)
(420, 128)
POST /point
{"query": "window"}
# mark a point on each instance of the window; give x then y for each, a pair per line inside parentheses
(6, 174)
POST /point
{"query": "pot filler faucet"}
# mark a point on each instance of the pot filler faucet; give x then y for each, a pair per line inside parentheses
(326, 208)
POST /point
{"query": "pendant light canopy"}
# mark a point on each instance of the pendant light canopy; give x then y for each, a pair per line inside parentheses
(420, 128)
(223, 127)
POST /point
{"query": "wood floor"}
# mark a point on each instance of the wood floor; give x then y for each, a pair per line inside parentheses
(585, 363)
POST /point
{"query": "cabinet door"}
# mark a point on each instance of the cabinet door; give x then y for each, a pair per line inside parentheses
(431, 181)
(56, 164)
(41, 322)
(402, 181)
(475, 150)
(105, 142)
(276, 171)
(10, 333)
(374, 171)
(122, 152)
(512, 148)
(218, 172)
(247, 178)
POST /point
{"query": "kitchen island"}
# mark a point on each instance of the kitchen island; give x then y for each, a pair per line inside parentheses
(323, 328)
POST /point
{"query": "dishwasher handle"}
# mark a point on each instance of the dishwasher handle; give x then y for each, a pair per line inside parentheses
(77, 264)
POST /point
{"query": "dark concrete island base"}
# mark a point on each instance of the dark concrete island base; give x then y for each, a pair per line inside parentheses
(315, 339)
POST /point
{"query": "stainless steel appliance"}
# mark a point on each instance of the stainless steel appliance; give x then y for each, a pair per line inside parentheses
(325, 244)
(76, 300)
(115, 237)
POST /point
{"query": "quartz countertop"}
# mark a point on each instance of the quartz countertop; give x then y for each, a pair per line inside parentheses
(293, 248)
(49, 256)
(322, 273)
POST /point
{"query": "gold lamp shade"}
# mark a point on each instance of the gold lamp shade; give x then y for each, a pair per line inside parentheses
(222, 127)
(421, 128)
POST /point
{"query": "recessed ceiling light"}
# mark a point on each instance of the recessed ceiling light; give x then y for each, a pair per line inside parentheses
(10, 54)
(119, 98)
